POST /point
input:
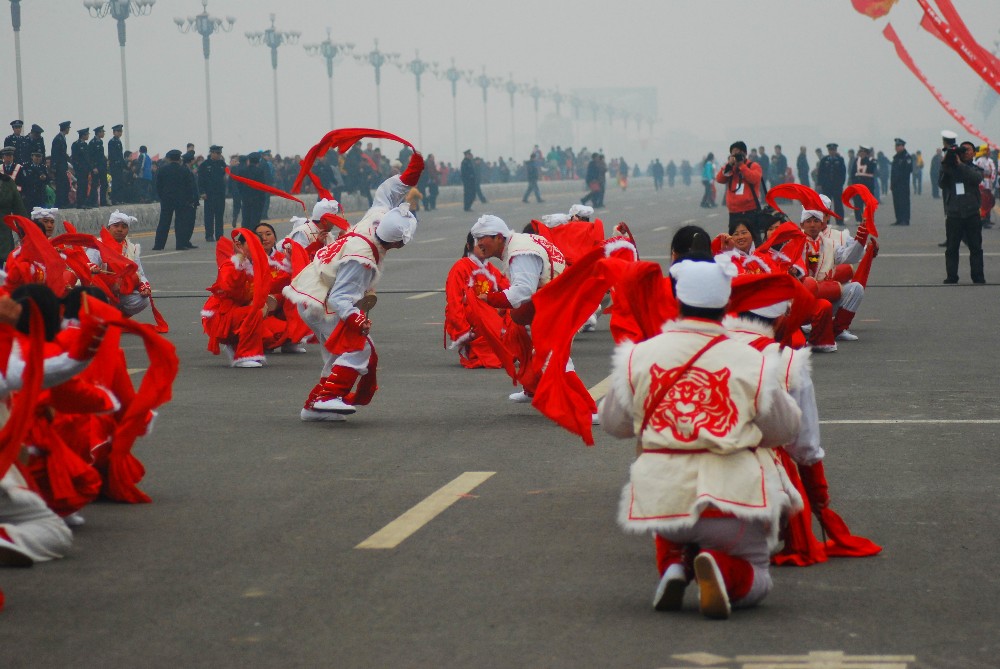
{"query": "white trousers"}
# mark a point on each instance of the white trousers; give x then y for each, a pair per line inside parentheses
(31, 525)
(323, 328)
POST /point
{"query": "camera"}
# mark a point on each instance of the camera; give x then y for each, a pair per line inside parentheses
(740, 156)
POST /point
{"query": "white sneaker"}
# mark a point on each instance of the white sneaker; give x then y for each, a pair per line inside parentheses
(807, 328)
(74, 520)
(293, 348)
(336, 405)
(670, 590)
(248, 364)
(595, 419)
(590, 325)
(520, 397)
(714, 600)
(847, 335)
(228, 350)
(825, 348)
(309, 415)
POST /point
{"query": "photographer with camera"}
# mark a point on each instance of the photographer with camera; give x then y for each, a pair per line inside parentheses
(959, 182)
(742, 177)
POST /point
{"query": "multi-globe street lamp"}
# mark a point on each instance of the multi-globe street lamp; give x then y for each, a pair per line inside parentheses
(454, 75)
(206, 25)
(273, 38)
(484, 82)
(330, 51)
(120, 10)
(377, 59)
(418, 67)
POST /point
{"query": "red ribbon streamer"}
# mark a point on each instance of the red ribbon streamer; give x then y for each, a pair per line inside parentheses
(956, 35)
(264, 187)
(341, 140)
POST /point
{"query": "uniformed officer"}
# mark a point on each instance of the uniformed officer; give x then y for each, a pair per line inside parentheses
(60, 165)
(212, 187)
(10, 168)
(175, 185)
(116, 164)
(22, 154)
(80, 156)
(830, 176)
(34, 179)
(865, 173)
(899, 182)
(98, 168)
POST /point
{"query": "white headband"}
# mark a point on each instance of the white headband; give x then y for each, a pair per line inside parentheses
(39, 213)
(489, 225)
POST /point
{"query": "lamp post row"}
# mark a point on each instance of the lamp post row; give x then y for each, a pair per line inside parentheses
(206, 25)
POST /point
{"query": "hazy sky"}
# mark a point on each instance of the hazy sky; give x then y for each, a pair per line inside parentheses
(786, 71)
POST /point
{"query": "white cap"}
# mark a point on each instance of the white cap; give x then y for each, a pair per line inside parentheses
(489, 225)
(827, 202)
(773, 310)
(118, 217)
(552, 220)
(397, 225)
(948, 134)
(581, 210)
(810, 213)
(325, 207)
(703, 283)
(39, 213)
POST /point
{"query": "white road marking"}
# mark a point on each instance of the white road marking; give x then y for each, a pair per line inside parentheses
(160, 254)
(135, 370)
(939, 254)
(661, 228)
(429, 241)
(400, 529)
(689, 221)
(420, 296)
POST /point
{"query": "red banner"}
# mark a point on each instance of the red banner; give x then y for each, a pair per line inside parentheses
(874, 9)
(904, 55)
(951, 17)
(956, 35)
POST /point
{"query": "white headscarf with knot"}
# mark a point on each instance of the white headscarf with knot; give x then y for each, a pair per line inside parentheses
(581, 210)
(489, 225)
(704, 284)
(325, 207)
(397, 225)
(38, 213)
(119, 217)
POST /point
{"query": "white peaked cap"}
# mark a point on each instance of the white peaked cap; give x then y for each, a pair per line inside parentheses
(948, 134)
(581, 210)
(39, 213)
(397, 225)
(324, 207)
(489, 225)
(704, 284)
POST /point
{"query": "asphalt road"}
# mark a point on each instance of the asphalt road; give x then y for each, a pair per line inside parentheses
(248, 556)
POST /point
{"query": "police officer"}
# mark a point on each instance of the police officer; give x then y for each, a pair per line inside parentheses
(899, 183)
(865, 173)
(830, 176)
(35, 177)
(253, 199)
(98, 168)
(212, 187)
(116, 165)
(22, 154)
(60, 165)
(80, 156)
(178, 198)
(11, 169)
(35, 142)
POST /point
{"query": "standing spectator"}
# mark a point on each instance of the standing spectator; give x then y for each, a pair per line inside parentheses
(35, 142)
(686, 171)
(986, 199)
(765, 169)
(830, 177)
(884, 168)
(708, 179)
(802, 166)
(918, 173)
(267, 164)
(531, 167)
(899, 178)
(622, 173)
(34, 179)
(432, 177)
(592, 179)
(177, 191)
(60, 165)
(253, 199)
(237, 164)
(116, 165)
(144, 172)
(82, 167)
(98, 169)
(188, 153)
(779, 165)
(671, 173)
(865, 173)
(10, 203)
(657, 173)
(959, 182)
(212, 189)
(742, 178)
(936, 174)
(16, 140)
(470, 180)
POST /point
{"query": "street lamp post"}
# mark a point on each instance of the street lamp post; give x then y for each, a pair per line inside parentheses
(512, 89)
(272, 38)
(330, 51)
(120, 10)
(15, 21)
(484, 82)
(535, 92)
(418, 67)
(575, 102)
(454, 75)
(206, 25)
(377, 59)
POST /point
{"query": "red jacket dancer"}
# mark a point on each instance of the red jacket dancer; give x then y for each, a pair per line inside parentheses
(329, 293)
(482, 277)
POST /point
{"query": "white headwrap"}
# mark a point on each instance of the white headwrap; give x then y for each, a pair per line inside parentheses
(581, 210)
(704, 284)
(552, 220)
(118, 217)
(397, 225)
(827, 202)
(38, 213)
(810, 213)
(489, 225)
(773, 310)
(325, 207)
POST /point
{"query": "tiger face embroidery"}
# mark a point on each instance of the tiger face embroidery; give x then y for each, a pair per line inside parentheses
(699, 400)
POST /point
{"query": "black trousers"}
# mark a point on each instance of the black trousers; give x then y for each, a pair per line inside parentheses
(901, 203)
(252, 212)
(237, 206)
(184, 227)
(532, 188)
(62, 189)
(168, 212)
(99, 189)
(970, 230)
(468, 196)
(215, 217)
